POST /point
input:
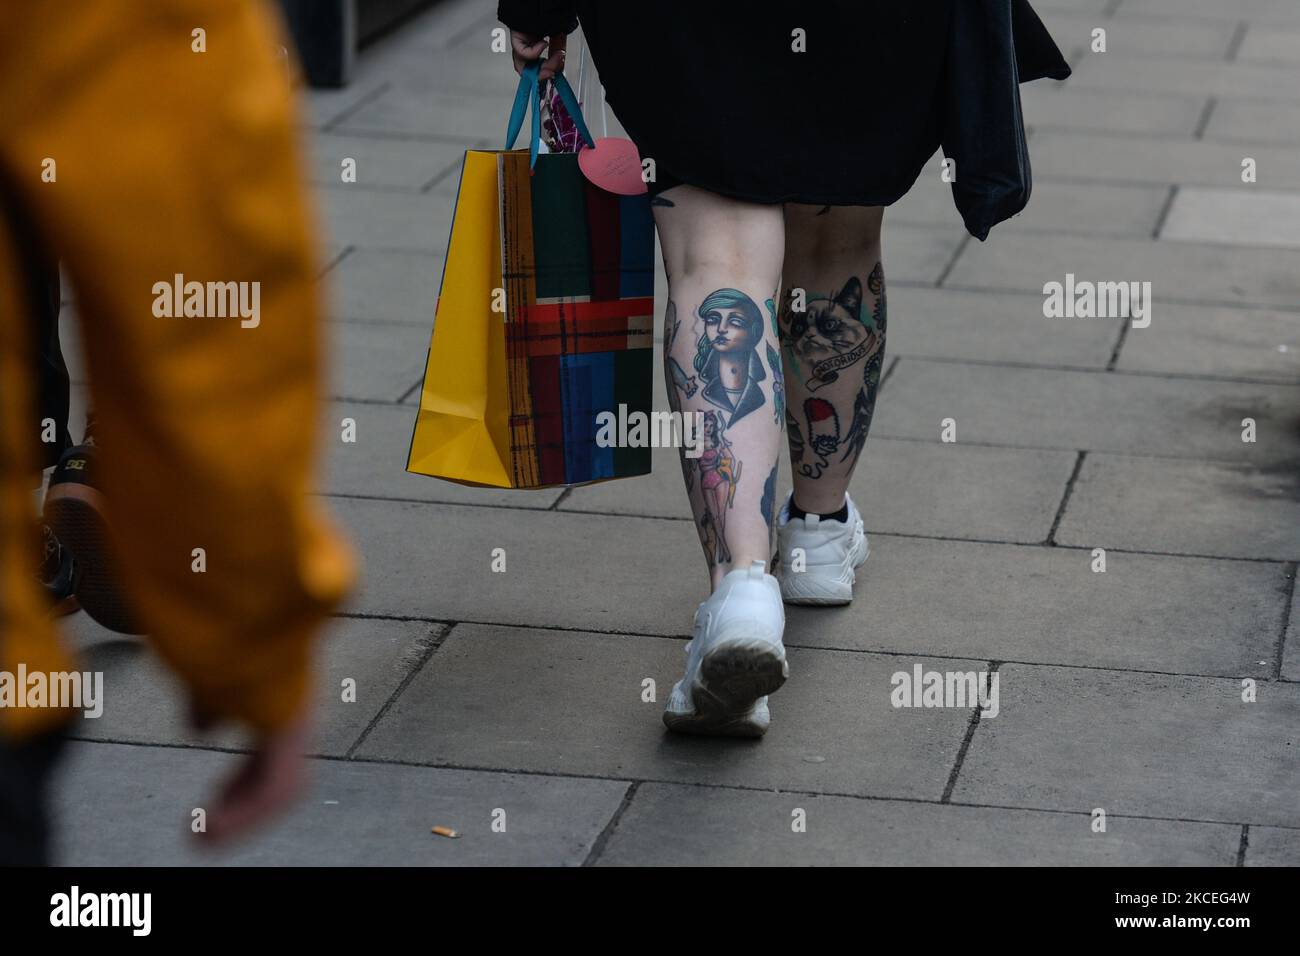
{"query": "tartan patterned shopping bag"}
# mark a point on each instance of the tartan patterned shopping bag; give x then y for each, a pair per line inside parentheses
(511, 399)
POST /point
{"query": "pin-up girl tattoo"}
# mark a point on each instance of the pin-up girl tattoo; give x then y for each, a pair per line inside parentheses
(726, 358)
(719, 476)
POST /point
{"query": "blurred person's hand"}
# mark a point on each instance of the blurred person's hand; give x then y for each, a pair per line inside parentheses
(525, 48)
(268, 781)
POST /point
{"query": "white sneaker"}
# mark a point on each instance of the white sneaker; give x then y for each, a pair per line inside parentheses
(734, 661)
(831, 553)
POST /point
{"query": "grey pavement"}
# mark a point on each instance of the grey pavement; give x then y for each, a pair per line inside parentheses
(1147, 713)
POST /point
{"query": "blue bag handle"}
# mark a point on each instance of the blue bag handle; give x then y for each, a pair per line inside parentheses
(527, 92)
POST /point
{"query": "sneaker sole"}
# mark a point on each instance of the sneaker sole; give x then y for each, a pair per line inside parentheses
(810, 589)
(732, 679)
(76, 514)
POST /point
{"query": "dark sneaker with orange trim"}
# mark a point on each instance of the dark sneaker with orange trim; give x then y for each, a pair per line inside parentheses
(74, 508)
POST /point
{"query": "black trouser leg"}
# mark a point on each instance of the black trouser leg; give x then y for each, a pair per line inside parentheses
(53, 386)
(25, 770)
(42, 292)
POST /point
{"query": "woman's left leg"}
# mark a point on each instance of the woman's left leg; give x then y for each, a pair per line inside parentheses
(832, 319)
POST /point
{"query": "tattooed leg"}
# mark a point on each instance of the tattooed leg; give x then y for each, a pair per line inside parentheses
(723, 366)
(832, 317)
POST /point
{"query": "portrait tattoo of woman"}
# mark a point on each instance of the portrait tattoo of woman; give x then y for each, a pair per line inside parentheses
(727, 359)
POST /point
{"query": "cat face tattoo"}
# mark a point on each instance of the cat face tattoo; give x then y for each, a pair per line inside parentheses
(829, 335)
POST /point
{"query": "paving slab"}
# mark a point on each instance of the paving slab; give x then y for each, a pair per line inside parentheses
(750, 828)
(1066, 106)
(571, 702)
(384, 163)
(145, 703)
(374, 466)
(388, 286)
(1091, 209)
(450, 25)
(1137, 744)
(1217, 341)
(1139, 74)
(386, 220)
(1185, 507)
(1269, 45)
(920, 253)
(355, 814)
(1258, 11)
(993, 327)
(1094, 209)
(1096, 157)
(1237, 218)
(1253, 123)
(469, 69)
(900, 486)
(375, 361)
(1273, 846)
(418, 107)
(320, 108)
(562, 570)
(1141, 36)
(1096, 411)
(1202, 272)
(1047, 605)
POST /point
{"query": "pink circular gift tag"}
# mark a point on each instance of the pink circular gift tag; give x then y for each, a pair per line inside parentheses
(614, 165)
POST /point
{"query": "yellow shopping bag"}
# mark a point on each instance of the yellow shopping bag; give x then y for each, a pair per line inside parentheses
(462, 429)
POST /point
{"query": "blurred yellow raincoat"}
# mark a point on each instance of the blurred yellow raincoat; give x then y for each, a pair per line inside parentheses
(140, 158)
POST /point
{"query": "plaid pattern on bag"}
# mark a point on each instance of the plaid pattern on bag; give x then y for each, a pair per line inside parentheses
(578, 273)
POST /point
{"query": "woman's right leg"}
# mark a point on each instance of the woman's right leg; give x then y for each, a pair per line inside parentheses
(722, 359)
(723, 365)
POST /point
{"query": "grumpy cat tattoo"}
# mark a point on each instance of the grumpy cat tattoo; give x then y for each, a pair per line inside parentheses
(829, 334)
